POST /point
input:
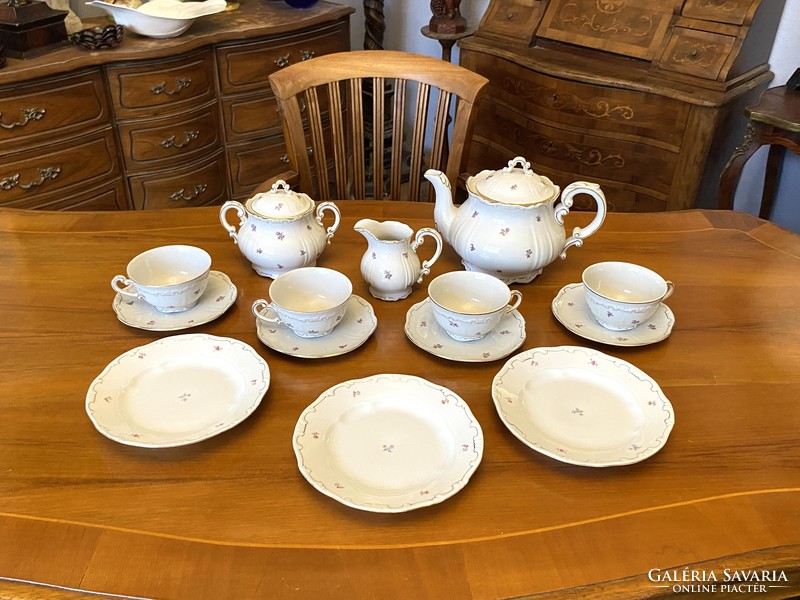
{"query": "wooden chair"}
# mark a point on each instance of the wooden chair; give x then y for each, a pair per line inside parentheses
(324, 103)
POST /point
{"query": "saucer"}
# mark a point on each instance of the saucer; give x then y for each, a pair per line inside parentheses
(570, 308)
(422, 329)
(355, 328)
(220, 294)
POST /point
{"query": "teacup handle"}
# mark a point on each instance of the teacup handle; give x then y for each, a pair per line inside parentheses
(670, 289)
(119, 283)
(516, 298)
(562, 209)
(419, 239)
(259, 307)
(337, 216)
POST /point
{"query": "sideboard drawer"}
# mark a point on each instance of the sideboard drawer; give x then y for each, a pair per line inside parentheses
(698, 53)
(61, 106)
(80, 162)
(111, 196)
(248, 163)
(154, 88)
(198, 184)
(249, 116)
(734, 12)
(245, 67)
(149, 144)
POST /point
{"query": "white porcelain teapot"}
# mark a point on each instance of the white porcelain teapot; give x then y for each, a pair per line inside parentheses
(510, 225)
(280, 230)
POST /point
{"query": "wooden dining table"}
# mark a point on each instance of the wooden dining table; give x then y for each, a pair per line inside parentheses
(233, 517)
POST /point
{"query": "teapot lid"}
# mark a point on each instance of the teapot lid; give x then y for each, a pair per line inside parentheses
(516, 184)
(279, 203)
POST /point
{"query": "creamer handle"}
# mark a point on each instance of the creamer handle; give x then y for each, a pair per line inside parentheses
(418, 240)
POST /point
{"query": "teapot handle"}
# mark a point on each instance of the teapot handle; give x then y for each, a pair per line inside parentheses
(321, 208)
(562, 209)
(418, 240)
(240, 210)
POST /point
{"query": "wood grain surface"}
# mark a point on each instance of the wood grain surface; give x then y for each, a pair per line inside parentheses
(232, 517)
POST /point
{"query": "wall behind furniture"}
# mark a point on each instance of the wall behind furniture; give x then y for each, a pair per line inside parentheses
(405, 19)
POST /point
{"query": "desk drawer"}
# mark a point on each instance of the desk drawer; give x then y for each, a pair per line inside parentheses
(201, 183)
(184, 137)
(58, 107)
(734, 12)
(245, 67)
(78, 163)
(153, 88)
(631, 115)
(698, 53)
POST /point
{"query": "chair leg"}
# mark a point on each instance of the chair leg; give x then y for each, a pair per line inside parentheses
(772, 177)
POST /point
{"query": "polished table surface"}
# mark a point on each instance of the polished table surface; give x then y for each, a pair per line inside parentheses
(232, 517)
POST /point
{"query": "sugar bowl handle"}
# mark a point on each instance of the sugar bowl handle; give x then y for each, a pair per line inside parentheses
(562, 209)
(240, 210)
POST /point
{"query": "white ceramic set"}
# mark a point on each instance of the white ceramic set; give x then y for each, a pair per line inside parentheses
(389, 442)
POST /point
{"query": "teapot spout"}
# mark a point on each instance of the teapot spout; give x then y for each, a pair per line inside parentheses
(444, 212)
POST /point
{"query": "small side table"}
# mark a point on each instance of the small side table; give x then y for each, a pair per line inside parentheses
(774, 121)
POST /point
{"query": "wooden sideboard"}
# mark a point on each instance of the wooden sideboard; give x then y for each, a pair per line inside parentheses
(632, 94)
(157, 123)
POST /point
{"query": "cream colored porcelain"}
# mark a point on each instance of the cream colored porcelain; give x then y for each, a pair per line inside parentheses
(171, 279)
(570, 308)
(621, 296)
(510, 224)
(388, 443)
(310, 301)
(280, 230)
(219, 296)
(469, 305)
(390, 264)
(178, 390)
(159, 18)
(423, 330)
(355, 328)
(583, 407)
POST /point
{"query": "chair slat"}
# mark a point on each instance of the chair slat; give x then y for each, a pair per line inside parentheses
(418, 140)
(398, 124)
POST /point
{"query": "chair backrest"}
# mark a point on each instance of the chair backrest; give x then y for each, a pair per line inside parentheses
(325, 106)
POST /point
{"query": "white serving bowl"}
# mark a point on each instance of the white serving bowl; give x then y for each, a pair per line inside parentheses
(160, 18)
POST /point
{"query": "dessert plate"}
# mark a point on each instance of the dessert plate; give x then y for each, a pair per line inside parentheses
(388, 443)
(358, 324)
(570, 308)
(582, 407)
(176, 391)
(423, 330)
(219, 296)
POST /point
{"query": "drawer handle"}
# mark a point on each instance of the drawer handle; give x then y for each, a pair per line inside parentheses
(306, 54)
(189, 137)
(28, 114)
(694, 53)
(199, 188)
(282, 61)
(510, 16)
(180, 85)
(285, 159)
(45, 174)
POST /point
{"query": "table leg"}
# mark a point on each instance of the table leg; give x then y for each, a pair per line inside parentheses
(772, 176)
(730, 176)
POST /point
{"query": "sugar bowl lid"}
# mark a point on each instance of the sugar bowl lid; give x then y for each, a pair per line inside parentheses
(515, 184)
(279, 203)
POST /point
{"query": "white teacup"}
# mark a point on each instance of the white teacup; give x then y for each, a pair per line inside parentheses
(622, 296)
(171, 279)
(469, 305)
(310, 301)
